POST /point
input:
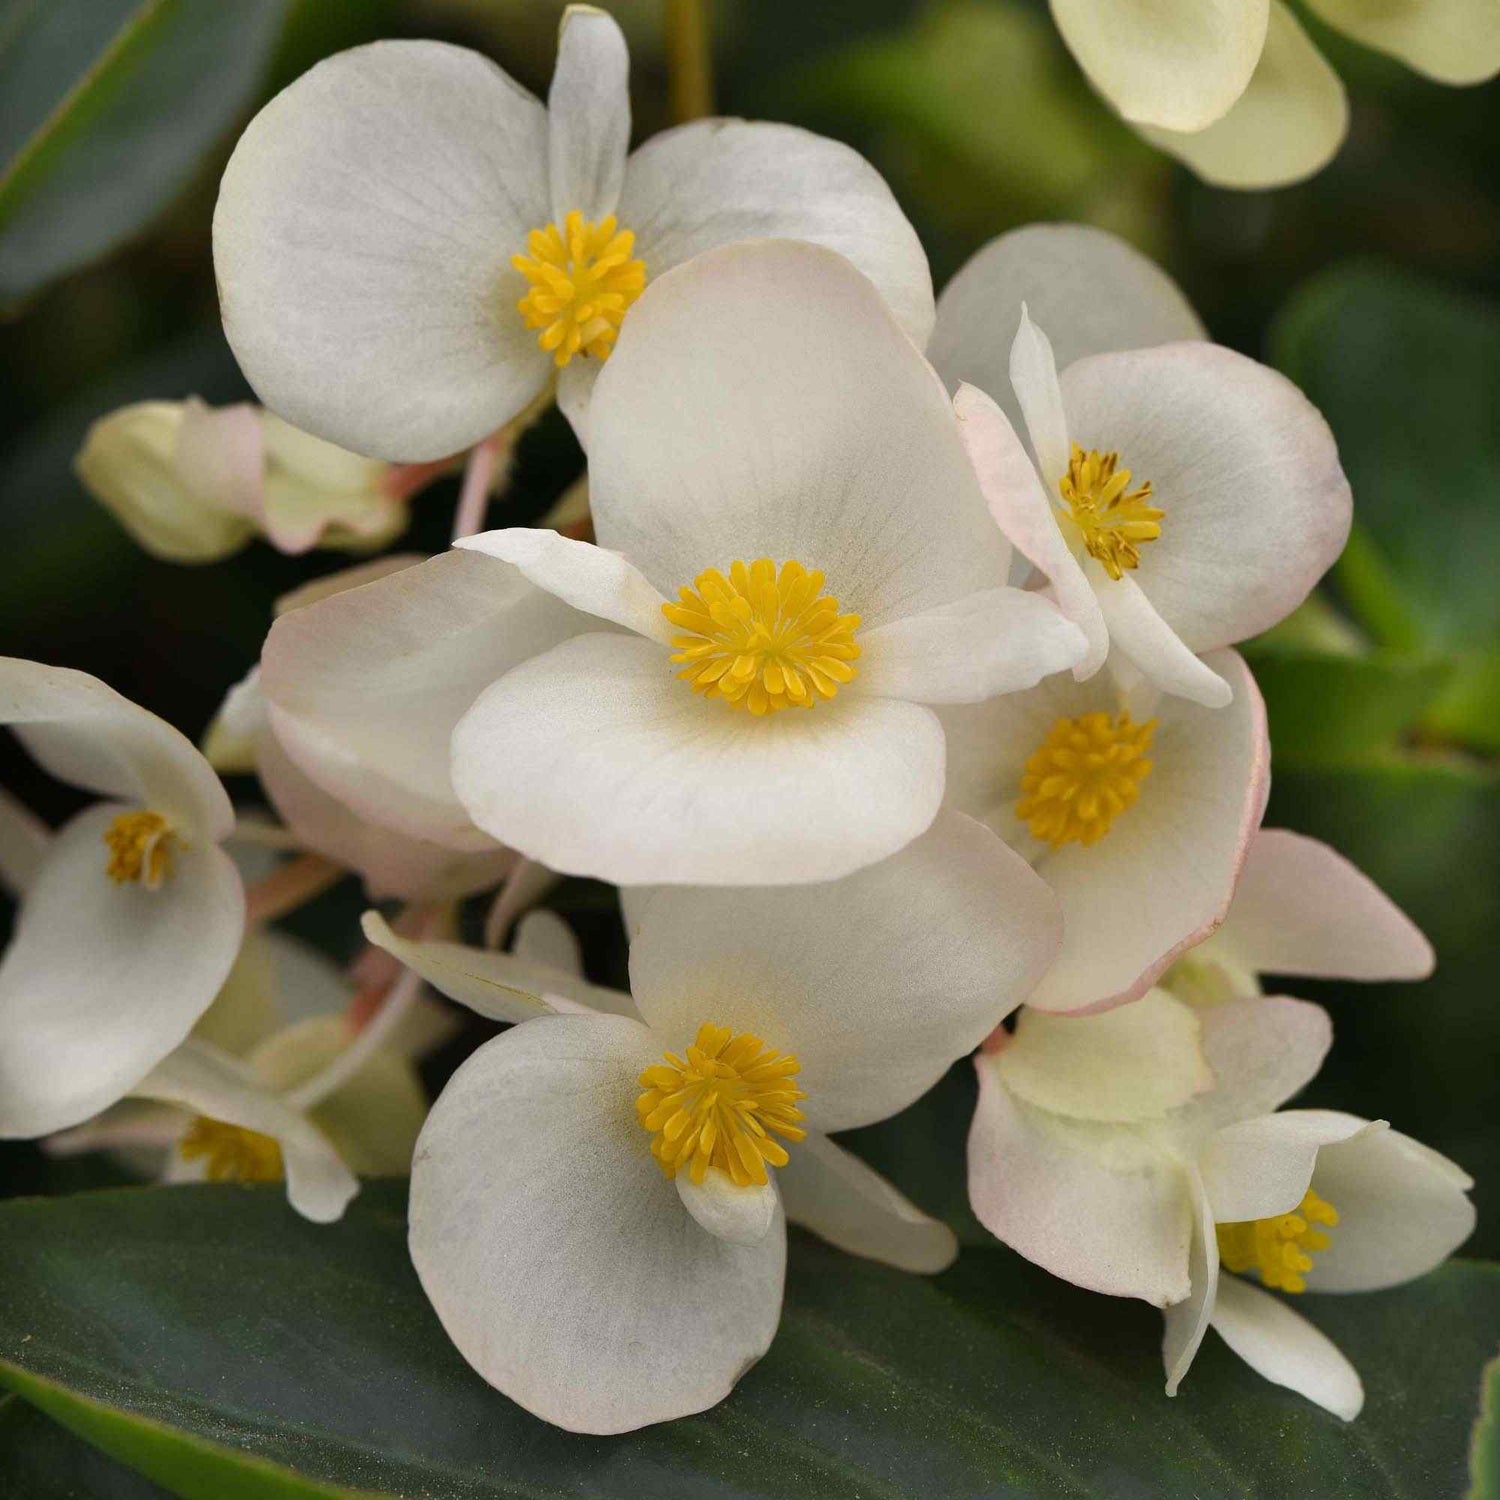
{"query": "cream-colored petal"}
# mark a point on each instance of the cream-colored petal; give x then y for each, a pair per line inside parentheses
(1453, 41)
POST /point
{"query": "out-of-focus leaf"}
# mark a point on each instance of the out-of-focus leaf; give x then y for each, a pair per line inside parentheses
(106, 106)
(231, 1350)
(1484, 1448)
(40, 1460)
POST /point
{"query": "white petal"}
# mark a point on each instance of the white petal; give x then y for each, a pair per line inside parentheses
(722, 182)
(1453, 41)
(1262, 1051)
(741, 1215)
(1140, 634)
(1280, 1344)
(102, 980)
(588, 115)
(590, 578)
(1022, 510)
(221, 456)
(877, 982)
(83, 732)
(542, 937)
(362, 245)
(560, 1260)
(1089, 289)
(229, 741)
(1178, 63)
(1187, 1321)
(596, 760)
(806, 427)
(1256, 1168)
(1100, 1205)
(1288, 123)
(1402, 1208)
(1302, 908)
(24, 842)
(200, 1078)
(1134, 1062)
(575, 390)
(833, 1193)
(1257, 507)
(1033, 377)
(969, 649)
(366, 686)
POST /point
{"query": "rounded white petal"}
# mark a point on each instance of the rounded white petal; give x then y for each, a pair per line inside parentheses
(560, 1260)
(84, 732)
(592, 579)
(1177, 63)
(1287, 125)
(1100, 1205)
(596, 760)
(1187, 1321)
(24, 842)
(1132, 1063)
(1302, 908)
(200, 1078)
(365, 687)
(1256, 1168)
(877, 982)
(1257, 507)
(1453, 41)
(1149, 644)
(741, 1215)
(1090, 290)
(588, 115)
(721, 182)
(1280, 1344)
(362, 244)
(762, 402)
(1402, 1208)
(102, 980)
(833, 1193)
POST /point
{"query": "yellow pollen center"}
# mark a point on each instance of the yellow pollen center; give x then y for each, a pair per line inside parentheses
(232, 1153)
(1084, 775)
(1280, 1248)
(583, 279)
(717, 1106)
(765, 638)
(1114, 519)
(141, 847)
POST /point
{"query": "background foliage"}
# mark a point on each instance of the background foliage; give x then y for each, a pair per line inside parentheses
(161, 1331)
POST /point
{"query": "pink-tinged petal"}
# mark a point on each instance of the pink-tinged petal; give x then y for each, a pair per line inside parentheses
(588, 115)
(1187, 1321)
(221, 456)
(1262, 1051)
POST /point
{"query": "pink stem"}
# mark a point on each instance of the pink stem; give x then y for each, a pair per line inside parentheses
(289, 886)
(474, 497)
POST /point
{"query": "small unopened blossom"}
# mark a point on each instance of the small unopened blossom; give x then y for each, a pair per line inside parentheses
(599, 1195)
(514, 238)
(133, 914)
(193, 483)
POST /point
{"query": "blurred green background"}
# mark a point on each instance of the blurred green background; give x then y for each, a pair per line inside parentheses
(1374, 286)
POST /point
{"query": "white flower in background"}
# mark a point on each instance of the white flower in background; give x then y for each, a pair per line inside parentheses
(1178, 498)
(1239, 92)
(409, 246)
(193, 484)
(598, 1199)
(133, 914)
(1135, 807)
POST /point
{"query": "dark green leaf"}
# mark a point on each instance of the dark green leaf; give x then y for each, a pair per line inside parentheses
(106, 106)
(1484, 1450)
(40, 1460)
(230, 1350)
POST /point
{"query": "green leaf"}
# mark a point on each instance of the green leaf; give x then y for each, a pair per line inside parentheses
(107, 108)
(39, 1460)
(230, 1350)
(1484, 1449)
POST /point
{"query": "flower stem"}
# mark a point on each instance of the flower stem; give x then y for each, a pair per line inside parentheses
(692, 87)
(289, 886)
(474, 496)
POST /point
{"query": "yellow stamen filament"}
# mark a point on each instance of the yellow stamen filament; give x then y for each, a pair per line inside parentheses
(717, 1106)
(1114, 519)
(583, 278)
(1280, 1248)
(765, 638)
(232, 1153)
(1084, 775)
(141, 847)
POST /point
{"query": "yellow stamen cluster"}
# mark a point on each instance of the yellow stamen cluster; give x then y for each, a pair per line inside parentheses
(1280, 1248)
(1083, 776)
(764, 638)
(583, 278)
(232, 1153)
(141, 847)
(1114, 519)
(717, 1106)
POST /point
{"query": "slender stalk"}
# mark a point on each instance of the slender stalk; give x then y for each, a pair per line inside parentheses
(402, 996)
(474, 496)
(691, 68)
(289, 886)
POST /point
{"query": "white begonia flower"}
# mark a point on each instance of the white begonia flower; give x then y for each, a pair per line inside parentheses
(796, 487)
(1135, 807)
(513, 238)
(1178, 498)
(193, 484)
(594, 1189)
(134, 918)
